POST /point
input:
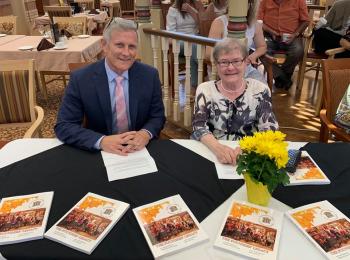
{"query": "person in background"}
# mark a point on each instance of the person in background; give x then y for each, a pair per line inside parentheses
(231, 107)
(284, 22)
(119, 98)
(183, 17)
(331, 29)
(254, 36)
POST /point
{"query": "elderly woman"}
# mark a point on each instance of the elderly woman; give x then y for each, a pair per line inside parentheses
(254, 35)
(231, 107)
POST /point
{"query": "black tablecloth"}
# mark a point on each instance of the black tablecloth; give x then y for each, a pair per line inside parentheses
(71, 173)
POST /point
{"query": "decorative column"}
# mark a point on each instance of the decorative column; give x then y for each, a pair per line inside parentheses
(143, 18)
(156, 14)
(156, 20)
(237, 24)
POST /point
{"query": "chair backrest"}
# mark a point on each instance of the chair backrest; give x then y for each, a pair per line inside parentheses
(74, 25)
(90, 4)
(58, 11)
(17, 97)
(336, 79)
(8, 24)
(127, 7)
(30, 10)
(77, 65)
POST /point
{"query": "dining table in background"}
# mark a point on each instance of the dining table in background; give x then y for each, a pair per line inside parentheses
(53, 61)
(9, 38)
(92, 20)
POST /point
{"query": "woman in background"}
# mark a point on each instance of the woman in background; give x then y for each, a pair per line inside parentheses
(254, 35)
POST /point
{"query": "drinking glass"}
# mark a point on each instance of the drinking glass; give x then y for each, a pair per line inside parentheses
(83, 6)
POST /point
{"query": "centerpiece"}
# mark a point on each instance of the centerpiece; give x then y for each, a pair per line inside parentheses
(262, 163)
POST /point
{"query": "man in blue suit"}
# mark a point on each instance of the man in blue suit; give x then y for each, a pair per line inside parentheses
(91, 95)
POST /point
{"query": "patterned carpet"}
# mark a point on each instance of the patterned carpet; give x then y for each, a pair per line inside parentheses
(55, 91)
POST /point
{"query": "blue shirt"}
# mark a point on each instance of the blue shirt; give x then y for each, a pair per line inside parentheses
(111, 77)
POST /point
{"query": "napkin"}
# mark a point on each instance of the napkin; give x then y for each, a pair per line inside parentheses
(44, 45)
(93, 11)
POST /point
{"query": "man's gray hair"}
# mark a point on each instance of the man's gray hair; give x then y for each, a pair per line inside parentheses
(119, 24)
(228, 45)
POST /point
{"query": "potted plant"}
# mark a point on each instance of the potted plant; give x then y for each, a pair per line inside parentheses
(264, 156)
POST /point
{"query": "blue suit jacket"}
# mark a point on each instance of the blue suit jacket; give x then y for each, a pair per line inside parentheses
(87, 95)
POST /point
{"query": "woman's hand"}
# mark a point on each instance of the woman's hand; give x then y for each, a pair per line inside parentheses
(223, 153)
(226, 154)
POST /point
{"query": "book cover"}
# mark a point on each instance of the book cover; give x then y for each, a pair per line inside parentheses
(168, 226)
(24, 218)
(325, 226)
(250, 230)
(307, 172)
(87, 223)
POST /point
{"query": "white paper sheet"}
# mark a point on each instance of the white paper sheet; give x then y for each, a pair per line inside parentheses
(134, 164)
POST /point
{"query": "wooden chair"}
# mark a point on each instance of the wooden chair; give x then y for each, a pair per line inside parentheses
(78, 65)
(127, 9)
(336, 79)
(74, 25)
(90, 4)
(8, 24)
(58, 11)
(18, 107)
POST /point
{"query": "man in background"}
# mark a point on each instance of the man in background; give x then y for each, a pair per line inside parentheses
(284, 22)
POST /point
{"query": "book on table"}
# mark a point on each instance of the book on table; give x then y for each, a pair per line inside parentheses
(250, 230)
(307, 172)
(325, 226)
(24, 218)
(87, 223)
(169, 226)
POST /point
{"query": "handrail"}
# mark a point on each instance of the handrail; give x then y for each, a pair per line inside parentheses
(181, 36)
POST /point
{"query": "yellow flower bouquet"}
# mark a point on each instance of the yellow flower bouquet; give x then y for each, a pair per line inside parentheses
(262, 162)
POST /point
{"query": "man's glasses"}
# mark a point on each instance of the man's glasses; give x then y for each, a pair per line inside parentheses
(226, 63)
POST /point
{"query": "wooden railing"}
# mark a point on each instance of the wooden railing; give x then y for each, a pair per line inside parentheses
(169, 44)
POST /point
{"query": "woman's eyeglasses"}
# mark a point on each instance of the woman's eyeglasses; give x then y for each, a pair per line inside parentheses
(226, 63)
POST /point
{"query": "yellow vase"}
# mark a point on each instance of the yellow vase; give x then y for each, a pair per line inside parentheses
(257, 193)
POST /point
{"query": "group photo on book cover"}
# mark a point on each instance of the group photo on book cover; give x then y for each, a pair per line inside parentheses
(250, 230)
(24, 217)
(325, 226)
(171, 227)
(168, 225)
(21, 220)
(250, 233)
(85, 223)
(88, 222)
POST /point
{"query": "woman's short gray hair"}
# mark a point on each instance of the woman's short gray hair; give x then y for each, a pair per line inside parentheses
(228, 45)
(119, 24)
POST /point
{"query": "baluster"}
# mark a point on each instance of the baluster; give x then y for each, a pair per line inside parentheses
(176, 106)
(187, 110)
(155, 48)
(200, 57)
(213, 67)
(166, 92)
